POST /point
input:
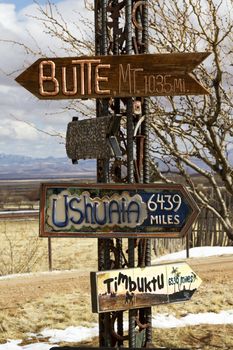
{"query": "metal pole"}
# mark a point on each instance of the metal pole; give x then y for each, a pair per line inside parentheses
(102, 165)
(146, 158)
(130, 164)
(115, 49)
(109, 37)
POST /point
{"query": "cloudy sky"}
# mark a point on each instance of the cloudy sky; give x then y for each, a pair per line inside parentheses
(19, 108)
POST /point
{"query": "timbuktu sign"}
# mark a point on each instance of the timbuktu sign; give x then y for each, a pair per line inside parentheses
(114, 76)
(107, 210)
(142, 287)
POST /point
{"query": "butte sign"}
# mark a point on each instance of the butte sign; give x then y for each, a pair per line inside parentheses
(114, 76)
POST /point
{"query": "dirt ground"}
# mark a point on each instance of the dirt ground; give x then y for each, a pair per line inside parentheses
(30, 303)
(214, 271)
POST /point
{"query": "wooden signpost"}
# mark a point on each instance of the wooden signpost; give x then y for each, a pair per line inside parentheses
(116, 211)
(107, 210)
(135, 288)
(114, 76)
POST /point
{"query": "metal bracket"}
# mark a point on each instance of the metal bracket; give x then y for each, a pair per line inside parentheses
(138, 125)
(115, 147)
(137, 107)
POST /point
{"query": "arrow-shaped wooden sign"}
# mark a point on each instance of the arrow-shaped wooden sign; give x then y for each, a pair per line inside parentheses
(142, 287)
(113, 211)
(114, 76)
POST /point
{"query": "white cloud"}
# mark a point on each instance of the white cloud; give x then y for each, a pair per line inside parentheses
(8, 20)
(16, 102)
(21, 131)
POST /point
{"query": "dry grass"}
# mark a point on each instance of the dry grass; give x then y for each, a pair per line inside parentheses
(198, 338)
(55, 311)
(61, 310)
(204, 337)
(22, 251)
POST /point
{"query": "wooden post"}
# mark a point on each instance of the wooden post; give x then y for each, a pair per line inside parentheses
(187, 243)
(50, 253)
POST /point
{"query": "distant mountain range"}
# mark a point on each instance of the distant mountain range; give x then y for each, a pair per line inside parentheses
(16, 167)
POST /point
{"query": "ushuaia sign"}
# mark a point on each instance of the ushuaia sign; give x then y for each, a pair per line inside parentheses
(142, 287)
(95, 210)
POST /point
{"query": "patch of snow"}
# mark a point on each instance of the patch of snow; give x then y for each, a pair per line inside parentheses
(11, 345)
(37, 274)
(14, 345)
(78, 334)
(70, 334)
(170, 321)
(197, 252)
(37, 346)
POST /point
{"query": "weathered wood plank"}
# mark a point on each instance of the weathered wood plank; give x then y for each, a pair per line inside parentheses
(107, 210)
(114, 76)
(133, 288)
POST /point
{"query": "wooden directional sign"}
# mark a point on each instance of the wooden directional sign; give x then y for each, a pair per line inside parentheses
(107, 210)
(114, 76)
(133, 288)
